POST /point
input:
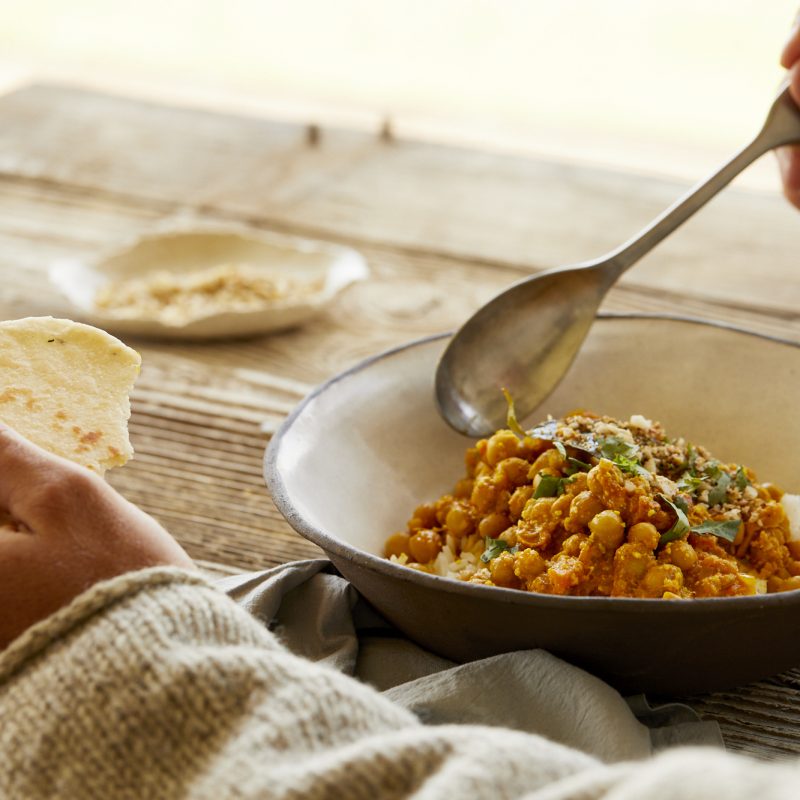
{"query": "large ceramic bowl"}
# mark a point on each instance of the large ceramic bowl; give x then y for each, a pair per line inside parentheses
(357, 455)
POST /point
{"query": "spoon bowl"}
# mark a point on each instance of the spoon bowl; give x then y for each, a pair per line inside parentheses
(561, 306)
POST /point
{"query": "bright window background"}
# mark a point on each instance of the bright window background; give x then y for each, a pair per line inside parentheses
(664, 87)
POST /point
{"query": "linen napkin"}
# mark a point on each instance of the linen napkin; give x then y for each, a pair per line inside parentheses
(317, 614)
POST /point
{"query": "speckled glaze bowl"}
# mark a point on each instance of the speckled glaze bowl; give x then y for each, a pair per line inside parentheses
(363, 450)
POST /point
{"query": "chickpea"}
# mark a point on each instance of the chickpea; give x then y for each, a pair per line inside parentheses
(471, 460)
(631, 563)
(791, 583)
(397, 544)
(662, 578)
(573, 545)
(538, 509)
(561, 506)
(484, 495)
(518, 500)
(607, 483)
(608, 529)
(463, 489)
(528, 564)
(644, 533)
(511, 472)
(551, 461)
(681, 554)
(459, 521)
(502, 570)
(502, 444)
(583, 508)
(425, 545)
(579, 483)
(424, 517)
(493, 525)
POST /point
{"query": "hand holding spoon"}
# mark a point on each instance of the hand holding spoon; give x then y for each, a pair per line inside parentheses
(525, 338)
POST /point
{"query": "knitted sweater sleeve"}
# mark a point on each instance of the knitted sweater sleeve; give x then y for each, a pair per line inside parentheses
(155, 684)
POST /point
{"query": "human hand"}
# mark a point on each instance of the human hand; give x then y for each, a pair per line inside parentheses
(789, 157)
(73, 530)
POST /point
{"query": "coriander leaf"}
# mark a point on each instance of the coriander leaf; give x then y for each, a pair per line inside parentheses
(623, 454)
(681, 525)
(511, 416)
(742, 481)
(574, 465)
(718, 494)
(725, 529)
(712, 471)
(613, 447)
(691, 459)
(561, 449)
(493, 548)
(549, 486)
(630, 465)
(688, 483)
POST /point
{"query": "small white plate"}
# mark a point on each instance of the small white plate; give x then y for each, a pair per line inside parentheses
(201, 248)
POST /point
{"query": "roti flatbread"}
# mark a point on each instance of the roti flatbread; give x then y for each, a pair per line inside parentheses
(64, 385)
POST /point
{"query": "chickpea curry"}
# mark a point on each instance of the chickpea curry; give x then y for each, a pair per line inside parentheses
(590, 505)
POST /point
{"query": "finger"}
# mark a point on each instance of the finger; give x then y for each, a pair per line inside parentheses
(24, 469)
(789, 164)
(791, 50)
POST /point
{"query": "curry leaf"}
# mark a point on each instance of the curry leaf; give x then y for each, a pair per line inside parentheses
(679, 528)
(724, 529)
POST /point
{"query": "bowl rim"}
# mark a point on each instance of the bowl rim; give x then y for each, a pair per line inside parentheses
(361, 558)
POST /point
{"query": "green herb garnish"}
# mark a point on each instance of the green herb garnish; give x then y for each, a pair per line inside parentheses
(742, 481)
(689, 483)
(681, 525)
(691, 459)
(725, 529)
(549, 486)
(712, 471)
(624, 454)
(718, 493)
(493, 548)
(574, 465)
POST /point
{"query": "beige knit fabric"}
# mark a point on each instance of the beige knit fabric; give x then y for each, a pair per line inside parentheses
(156, 685)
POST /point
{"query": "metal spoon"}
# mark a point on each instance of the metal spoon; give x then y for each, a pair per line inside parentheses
(525, 338)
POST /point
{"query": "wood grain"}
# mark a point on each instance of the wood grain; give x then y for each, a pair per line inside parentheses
(443, 229)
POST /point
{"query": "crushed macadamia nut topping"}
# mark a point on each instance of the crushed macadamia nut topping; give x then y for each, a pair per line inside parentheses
(590, 505)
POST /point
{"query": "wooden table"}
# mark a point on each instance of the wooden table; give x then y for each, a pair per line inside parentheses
(443, 229)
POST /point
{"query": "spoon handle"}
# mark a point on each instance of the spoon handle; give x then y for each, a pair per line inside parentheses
(782, 126)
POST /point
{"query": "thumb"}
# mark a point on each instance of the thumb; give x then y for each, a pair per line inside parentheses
(25, 469)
